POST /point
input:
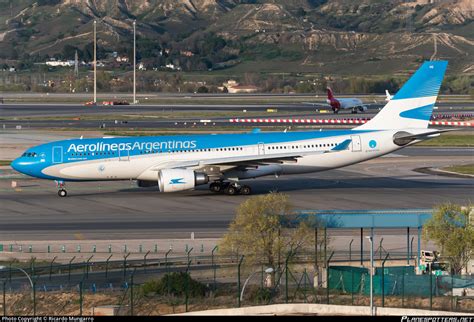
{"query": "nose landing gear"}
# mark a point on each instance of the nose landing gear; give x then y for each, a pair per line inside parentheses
(230, 188)
(61, 186)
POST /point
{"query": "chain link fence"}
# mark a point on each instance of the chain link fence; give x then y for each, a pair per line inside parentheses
(189, 283)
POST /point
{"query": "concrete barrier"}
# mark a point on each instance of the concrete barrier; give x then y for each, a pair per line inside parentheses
(321, 309)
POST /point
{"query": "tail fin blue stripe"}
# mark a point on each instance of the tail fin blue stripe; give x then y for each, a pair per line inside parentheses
(425, 82)
(419, 113)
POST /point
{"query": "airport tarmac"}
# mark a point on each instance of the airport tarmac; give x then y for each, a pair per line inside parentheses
(41, 110)
(118, 210)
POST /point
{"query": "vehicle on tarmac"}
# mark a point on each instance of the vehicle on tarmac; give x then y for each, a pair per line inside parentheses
(90, 103)
(110, 103)
(178, 163)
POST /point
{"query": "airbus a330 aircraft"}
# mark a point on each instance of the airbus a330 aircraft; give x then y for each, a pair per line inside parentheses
(177, 163)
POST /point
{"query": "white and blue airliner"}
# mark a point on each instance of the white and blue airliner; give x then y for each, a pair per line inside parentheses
(177, 163)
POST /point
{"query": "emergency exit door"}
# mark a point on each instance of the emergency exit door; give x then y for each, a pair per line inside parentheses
(356, 144)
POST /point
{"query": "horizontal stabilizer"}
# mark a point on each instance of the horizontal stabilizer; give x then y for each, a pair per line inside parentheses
(403, 138)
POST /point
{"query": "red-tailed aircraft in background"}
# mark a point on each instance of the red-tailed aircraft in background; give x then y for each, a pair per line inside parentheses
(354, 104)
(337, 104)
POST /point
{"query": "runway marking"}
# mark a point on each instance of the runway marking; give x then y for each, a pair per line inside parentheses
(394, 155)
(79, 236)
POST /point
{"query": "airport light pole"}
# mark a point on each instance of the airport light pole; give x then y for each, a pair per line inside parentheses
(95, 61)
(371, 276)
(134, 62)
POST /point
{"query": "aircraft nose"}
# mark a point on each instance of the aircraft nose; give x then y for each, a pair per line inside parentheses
(15, 164)
(18, 165)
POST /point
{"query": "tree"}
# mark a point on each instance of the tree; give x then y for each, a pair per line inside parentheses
(452, 230)
(258, 231)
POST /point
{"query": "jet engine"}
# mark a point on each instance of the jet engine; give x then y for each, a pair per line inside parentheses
(171, 180)
(362, 108)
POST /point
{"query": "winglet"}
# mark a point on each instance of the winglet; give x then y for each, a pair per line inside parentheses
(341, 146)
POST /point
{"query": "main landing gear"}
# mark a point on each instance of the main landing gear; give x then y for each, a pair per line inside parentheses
(62, 191)
(229, 188)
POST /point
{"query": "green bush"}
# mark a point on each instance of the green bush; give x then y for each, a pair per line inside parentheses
(260, 295)
(176, 282)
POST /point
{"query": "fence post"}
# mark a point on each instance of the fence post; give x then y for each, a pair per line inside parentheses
(361, 246)
(325, 243)
(80, 298)
(32, 266)
(189, 252)
(350, 250)
(352, 287)
(286, 275)
(51, 267)
(238, 278)
(125, 265)
(431, 288)
(304, 285)
(408, 245)
(380, 249)
(452, 290)
(327, 277)
(316, 249)
(411, 247)
(144, 260)
(131, 292)
(69, 271)
(34, 297)
(4, 298)
(87, 266)
(107, 265)
(403, 288)
(383, 280)
(186, 288)
(167, 269)
(214, 268)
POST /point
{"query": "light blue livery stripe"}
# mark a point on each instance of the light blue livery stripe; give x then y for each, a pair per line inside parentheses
(419, 113)
(425, 82)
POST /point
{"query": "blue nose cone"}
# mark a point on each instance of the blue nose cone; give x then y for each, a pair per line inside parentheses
(17, 165)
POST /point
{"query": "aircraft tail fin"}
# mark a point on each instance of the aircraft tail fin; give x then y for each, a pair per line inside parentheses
(330, 94)
(412, 105)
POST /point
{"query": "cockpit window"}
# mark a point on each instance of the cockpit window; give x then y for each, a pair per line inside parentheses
(29, 154)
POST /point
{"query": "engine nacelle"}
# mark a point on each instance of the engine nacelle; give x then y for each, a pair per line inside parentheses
(362, 108)
(170, 180)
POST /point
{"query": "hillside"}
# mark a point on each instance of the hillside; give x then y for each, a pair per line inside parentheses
(335, 36)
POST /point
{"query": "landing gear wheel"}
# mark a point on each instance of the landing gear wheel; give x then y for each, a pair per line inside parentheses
(215, 187)
(62, 193)
(230, 190)
(245, 190)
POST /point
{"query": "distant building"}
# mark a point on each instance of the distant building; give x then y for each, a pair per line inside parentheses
(60, 63)
(122, 59)
(186, 53)
(172, 66)
(234, 88)
(141, 66)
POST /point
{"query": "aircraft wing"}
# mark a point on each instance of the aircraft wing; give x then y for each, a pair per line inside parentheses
(250, 160)
(316, 104)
